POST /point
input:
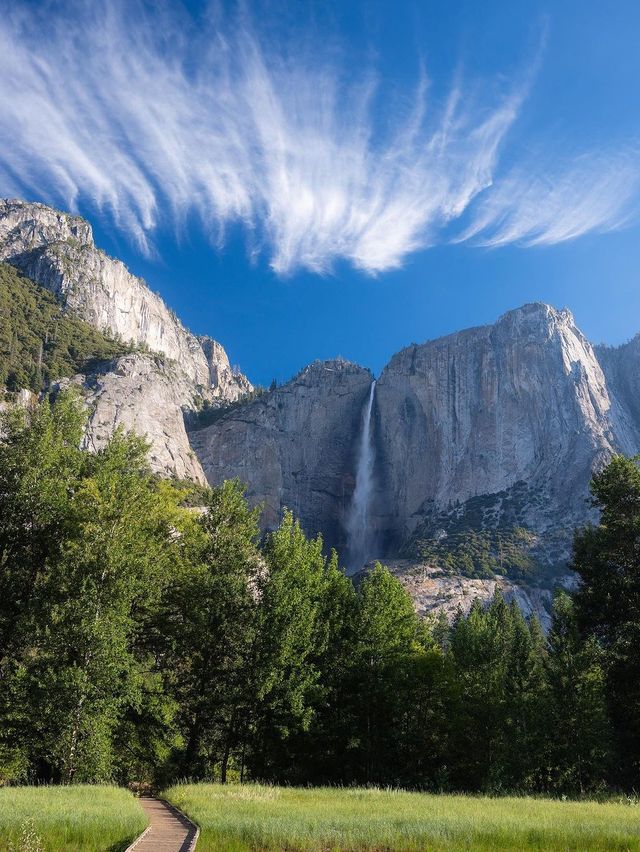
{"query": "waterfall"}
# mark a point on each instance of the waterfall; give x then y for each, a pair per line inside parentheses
(359, 534)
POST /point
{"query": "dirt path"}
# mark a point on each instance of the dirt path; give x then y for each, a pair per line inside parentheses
(169, 830)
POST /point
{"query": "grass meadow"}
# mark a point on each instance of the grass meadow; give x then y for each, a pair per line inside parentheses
(87, 818)
(254, 817)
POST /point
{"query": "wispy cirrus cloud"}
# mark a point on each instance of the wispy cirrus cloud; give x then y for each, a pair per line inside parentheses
(531, 208)
(153, 119)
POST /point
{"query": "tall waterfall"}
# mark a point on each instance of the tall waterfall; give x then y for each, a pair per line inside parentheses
(359, 533)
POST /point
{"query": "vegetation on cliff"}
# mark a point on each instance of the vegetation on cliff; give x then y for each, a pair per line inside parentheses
(140, 640)
(39, 342)
(211, 413)
(488, 536)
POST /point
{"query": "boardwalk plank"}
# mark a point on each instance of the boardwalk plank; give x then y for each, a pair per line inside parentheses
(169, 830)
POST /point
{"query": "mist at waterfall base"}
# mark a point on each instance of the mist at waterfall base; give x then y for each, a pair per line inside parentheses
(359, 532)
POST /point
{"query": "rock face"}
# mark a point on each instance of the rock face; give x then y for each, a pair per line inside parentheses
(496, 429)
(521, 406)
(226, 384)
(142, 393)
(433, 591)
(145, 392)
(621, 367)
(57, 251)
(294, 446)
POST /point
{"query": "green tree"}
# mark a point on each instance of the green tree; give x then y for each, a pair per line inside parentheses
(293, 634)
(111, 572)
(580, 746)
(497, 706)
(88, 541)
(525, 704)
(607, 559)
(39, 342)
(40, 463)
(387, 640)
(39, 466)
(478, 658)
(316, 752)
(205, 633)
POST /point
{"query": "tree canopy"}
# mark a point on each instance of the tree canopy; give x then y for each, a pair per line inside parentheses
(142, 640)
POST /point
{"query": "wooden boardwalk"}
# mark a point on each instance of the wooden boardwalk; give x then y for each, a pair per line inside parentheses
(169, 830)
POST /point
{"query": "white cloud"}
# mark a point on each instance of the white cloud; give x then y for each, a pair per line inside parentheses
(594, 193)
(152, 119)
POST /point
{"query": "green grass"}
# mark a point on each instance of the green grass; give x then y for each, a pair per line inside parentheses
(254, 817)
(68, 818)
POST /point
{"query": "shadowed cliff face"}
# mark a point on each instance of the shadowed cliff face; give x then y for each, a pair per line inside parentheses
(294, 446)
(621, 367)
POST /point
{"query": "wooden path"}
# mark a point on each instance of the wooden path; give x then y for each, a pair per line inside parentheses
(169, 830)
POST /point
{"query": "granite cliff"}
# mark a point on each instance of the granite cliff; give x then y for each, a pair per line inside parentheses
(482, 442)
(294, 446)
(150, 392)
(517, 413)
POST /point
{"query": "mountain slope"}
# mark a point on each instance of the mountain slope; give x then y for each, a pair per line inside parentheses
(149, 393)
(38, 341)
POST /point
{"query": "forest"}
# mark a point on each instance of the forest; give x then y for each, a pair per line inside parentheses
(145, 641)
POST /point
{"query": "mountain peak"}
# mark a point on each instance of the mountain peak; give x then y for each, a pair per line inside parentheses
(537, 313)
(38, 225)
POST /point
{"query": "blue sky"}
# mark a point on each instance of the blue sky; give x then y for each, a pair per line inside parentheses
(303, 180)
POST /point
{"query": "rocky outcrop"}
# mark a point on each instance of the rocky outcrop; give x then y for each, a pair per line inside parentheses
(57, 251)
(227, 384)
(294, 446)
(145, 394)
(433, 591)
(172, 373)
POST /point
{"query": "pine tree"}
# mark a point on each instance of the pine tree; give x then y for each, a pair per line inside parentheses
(525, 695)
(292, 637)
(607, 558)
(579, 735)
(478, 651)
(205, 632)
(318, 752)
(386, 643)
